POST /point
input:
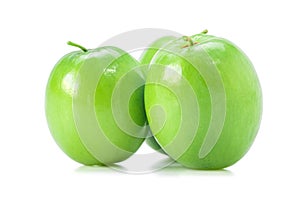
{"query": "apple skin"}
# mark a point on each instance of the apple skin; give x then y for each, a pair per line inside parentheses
(148, 54)
(172, 71)
(145, 59)
(69, 95)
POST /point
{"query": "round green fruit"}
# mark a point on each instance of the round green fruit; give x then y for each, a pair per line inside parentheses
(89, 100)
(145, 59)
(150, 51)
(203, 101)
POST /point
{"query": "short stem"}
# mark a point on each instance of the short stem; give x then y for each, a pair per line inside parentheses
(189, 40)
(191, 43)
(77, 45)
(204, 32)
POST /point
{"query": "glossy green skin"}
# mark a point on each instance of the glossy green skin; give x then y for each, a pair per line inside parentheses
(148, 54)
(243, 103)
(145, 59)
(65, 90)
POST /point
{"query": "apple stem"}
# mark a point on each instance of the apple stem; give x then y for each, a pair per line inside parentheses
(189, 40)
(77, 45)
(204, 31)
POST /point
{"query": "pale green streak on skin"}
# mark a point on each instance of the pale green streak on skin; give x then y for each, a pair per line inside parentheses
(189, 121)
(206, 68)
(138, 109)
(111, 82)
(145, 59)
(243, 96)
(125, 94)
(95, 120)
(173, 92)
(59, 112)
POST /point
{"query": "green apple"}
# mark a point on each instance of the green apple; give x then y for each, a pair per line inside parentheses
(150, 51)
(145, 59)
(203, 101)
(94, 105)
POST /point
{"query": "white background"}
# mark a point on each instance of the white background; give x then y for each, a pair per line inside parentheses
(33, 37)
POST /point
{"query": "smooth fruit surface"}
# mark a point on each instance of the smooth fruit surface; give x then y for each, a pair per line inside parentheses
(203, 101)
(145, 59)
(81, 93)
(148, 54)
